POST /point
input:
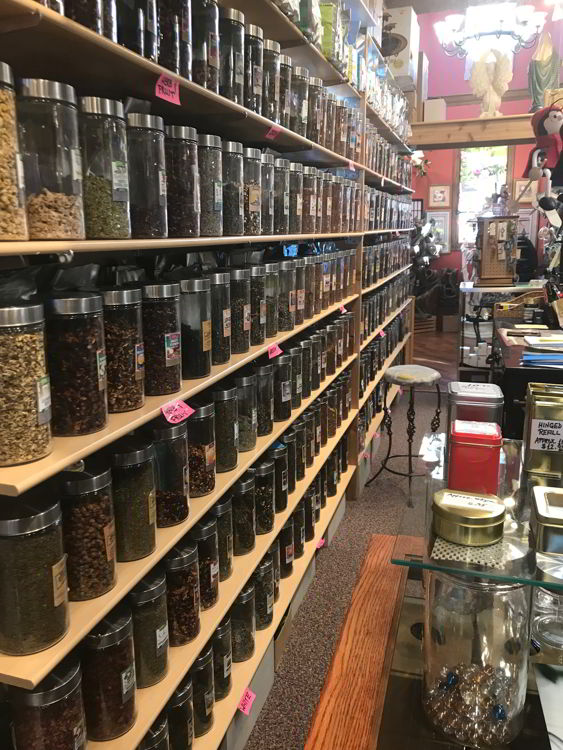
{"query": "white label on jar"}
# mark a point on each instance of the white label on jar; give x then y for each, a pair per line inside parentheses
(119, 181)
(186, 475)
(235, 427)
(353, 277)
(229, 539)
(318, 434)
(152, 507)
(289, 554)
(214, 572)
(292, 301)
(304, 110)
(372, 214)
(340, 347)
(313, 447)
(254, 199)
(60, 588)
(488, 428)
(217, 195)
(277, 87)
(151, 17)
(257, 79)
(206, 335)
(240, 201)
(128, 683)
(209, 698)
(78, 736)
(326, 279)
(303, 454)
(313, 206)
(300, 299)
(213, 50)
(286, 391)
(239, 68)
(197, 193)
(299, 204)
(323, 357)
(227, 322)
(246, 318)
(272, 409)
(298, 383)
(269, 603)
(329, 206)
(102, 368)
(20, 173)
(139, 361)
(302, 535)
(459, 500)
(227, 664)
(271, 202)
(284, 480)
(76, 164)
(254, 417)
(286, 204)
(109, 540)
(343, 135)
(161, 637)
(210, 455)
(43, 390)
(335, 478)
(172, 348)
(262, 312)
(325, 486)
(334, 283)
(320, 207)
(319, 364)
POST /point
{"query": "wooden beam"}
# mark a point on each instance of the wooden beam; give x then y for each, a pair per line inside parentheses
(509, 130)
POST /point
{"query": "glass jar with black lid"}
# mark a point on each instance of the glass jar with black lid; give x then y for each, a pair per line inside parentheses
(222, 658)
(286, 67)
(150, 628)
(310, 288)
(220, 317)
(309, 200)
(316, 356)
(201, 451)
(88, 14)
(331, 347)
(226, 429)
(182, 176)
(287, 296)
(76, 359)
(310, 504)
(298, 517)
(309, 422)
(323, 403)
(203, 691)
(253, 67)
(278, 454)
(281, 196)
(264, 483)
(182, 592)
(299, 264)
(300, 450)
(243, 624)
(162, 339)
(204, 533)
(296, 354)
(157, 737)
(252, 191)
(315, 110)
(330, 121)
(265, 399)
(287, 552)
(299, 100)
(271, 86)
(268, 191)
(125, 350)
(180, 710)
(231, 44)
(205, 29)
(289, 440)
(295, 198)
(257, 305)
(233, 188)
(223, 512)
(171, 457)
(240, 310)
(244, 515)
(247, 411)
(210, 163)
(195, 302)
(272, 291)
(104, 161)
(315, 410)
(263, 580)
(147, 170)
(175, 42)
(282, 387)
(319, 292)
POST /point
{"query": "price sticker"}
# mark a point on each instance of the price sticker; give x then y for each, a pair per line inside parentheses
(321, 543)
(273, 133)
(343, 309)
(176, 411)
(168, 89)
(351, 166)
(274, 350)
(382, 334)
(246, 701)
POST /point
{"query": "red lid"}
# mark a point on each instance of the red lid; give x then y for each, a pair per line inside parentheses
(487, 433)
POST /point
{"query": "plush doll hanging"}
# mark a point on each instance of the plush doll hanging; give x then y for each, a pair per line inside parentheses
(546, 124)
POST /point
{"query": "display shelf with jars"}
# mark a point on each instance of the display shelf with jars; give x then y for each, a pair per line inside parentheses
(388, 363)
(375, 424)
(385, 279)
(385, 323)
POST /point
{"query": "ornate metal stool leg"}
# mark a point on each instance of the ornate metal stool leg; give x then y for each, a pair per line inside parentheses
(435, 423)
(411, 430)
(388, 425)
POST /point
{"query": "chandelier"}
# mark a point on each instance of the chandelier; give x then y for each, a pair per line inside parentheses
(506, 26)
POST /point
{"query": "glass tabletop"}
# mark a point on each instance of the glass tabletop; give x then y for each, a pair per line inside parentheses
(513, 559)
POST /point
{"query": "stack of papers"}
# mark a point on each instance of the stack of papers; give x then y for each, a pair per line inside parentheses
(542, 359)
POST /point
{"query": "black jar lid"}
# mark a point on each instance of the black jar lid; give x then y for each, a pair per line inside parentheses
(252, 153)
(74, 303)
(244, 484)
(240, 274)
(161, 291)
(246, 595)
(95, 475)
(264, 370)
(222, 506)
(190, 286)
(156, 734)
(181, 132)
(306, 344)
(56, 686)
(203, 659)
(203, 529)
(161, 429)
(219, 278)
(115, 626)
(21, 315)
(181, 555)
(265, 565)
(183, 693)
(284, 359)
(131, 450)
(114, 297)
(32, 511)
(224, 394)
(41, 88)
(268, 159)
(245, 380)
(288, 524)
(150, 587)
(139, 120)
(264, 468)
(6, 75)
(278, 450)
(223, 628)
(209, 141)
(257, 270)
(288, 436)
(203, 411)
(286, 60)
(272, 46)
(232, 147)
(232, 15)
(96, 105)
(252, 30)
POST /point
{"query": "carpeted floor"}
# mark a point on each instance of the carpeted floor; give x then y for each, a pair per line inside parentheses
(284, 721)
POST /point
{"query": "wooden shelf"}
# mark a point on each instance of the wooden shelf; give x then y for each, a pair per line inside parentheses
(388, 362)
(385, 323)
(375, 179)
(386, 130)
(508, 130)
(152, 700)
(385, 279)
(378, 419)
(394, 231)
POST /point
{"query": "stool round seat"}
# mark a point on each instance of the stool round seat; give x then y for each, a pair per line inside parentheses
(411, 375)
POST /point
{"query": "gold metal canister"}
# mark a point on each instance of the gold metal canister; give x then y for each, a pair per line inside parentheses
(544, 412)
(471, 519)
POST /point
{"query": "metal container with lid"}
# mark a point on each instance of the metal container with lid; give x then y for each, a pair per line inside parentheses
(157, 736)
(150, 627)
(543, 429)
(468, 518)
(147, 171)
(195, 306)
(546, 519)
(476, 402)
(474, 456)
(203, 691)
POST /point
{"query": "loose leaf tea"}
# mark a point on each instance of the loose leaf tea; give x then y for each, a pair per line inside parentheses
(263, 580)
(183, 604)
(225, 534)
(222, 659)
(244, 520)
(264, 498)
(172, 505)
(55, 216)
(243, 625)
(125, 358)
(12, 213)
(204, 696)
(150, 631)
(227, 433)
(134, 499)
(104, 216)
(202, 469)
(161, 330)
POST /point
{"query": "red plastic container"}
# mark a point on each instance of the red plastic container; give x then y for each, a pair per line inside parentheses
(474, 457)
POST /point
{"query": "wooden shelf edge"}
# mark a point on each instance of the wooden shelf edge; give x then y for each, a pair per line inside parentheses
(381, 373)
(472, 132)
(383, 281)
(385, 323)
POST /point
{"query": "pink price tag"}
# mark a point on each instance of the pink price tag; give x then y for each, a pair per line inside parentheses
(176, 411)
(366, 456)
(274, 350)
(246, 701)
(400, 391)
(343, 309)
(321, 543)
(273, 133)
(168, 89)
(351, 166)
(382, 334)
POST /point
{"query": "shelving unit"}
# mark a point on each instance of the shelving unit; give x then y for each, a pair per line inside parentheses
(385, 323)
(378, 419)
(388, 362)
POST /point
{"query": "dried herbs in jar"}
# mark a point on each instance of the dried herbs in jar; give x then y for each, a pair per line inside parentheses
(204, 694)
(150, 628)
(244, 515)
(243, 624)
(223, 512)
(222, 658)
(264, 478)
(172, 477)
(263, 580)
(201, 451)
(182, 593)
(204, 533)
(163, 340)
(226, 429)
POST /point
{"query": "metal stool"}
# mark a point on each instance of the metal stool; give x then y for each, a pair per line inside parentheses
(407, 376)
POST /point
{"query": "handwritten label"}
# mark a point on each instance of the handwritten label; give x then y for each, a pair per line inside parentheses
(274, 350)
(246, 701)
(176, 411)
(546, 435)
(168, 89)
(321, 543)
(273, 133)
(343, 309)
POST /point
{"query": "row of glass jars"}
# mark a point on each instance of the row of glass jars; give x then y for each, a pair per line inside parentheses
(384, 211)
(378, 261)
(382, 157)
(377, 306)
(373, 357)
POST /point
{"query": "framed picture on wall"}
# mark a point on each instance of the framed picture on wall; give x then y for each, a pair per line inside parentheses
(440, 221)
(529, 191)
(439, 196)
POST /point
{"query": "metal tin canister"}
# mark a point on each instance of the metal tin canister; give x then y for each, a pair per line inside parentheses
(543, 429)
(474, 457)
(471, 519)
(546, 519)
(474, 402)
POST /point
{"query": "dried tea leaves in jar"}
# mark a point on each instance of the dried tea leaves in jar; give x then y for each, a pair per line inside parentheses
(150, 628)
(182, 585)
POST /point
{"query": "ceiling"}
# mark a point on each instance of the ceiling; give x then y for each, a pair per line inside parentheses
(434, 6)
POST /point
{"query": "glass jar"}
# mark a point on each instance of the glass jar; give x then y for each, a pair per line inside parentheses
(240, 310)
(231, 45)
(52, 164)
(88, 529)
(272, 290)
(289, 440)
(34, 612)
(265, 399)
(333, 265)
(180, 710)
(134, 497)
(171, 459)
(247, 412)
(346, 205)
(204, 533)
(150, 628)
(323, 403)
(346, 279)
(147, 167)
(125, 350)
(252, 192)
(223, 512)
(149, 28)
(156, 737)
(76, 358)
(271, 88)
(203, 690)
(108, 676)
(309, 200)
(25, 431)
(318, 292)
(300, 449)
(324, 485)
(51, 715)
(244, 515)
(316, 342)
(286, 66)
(282, 387)
(338, 285)
(222, 658)
(306, 367)
(332, 411)
(332, 475)
(264, 483)
(481, 679)
(337, 199)
(281, 196)
(205, 32)
(175, 41)
(105, 170)
(298, 517)
(330, 121)
(286, 539)
(195, 306)
(295, 198)
(263, 580)
(351, 333)
(226, 428)
(332, 346)
(162, 339)
(309, 422)
(310, 286)
(182, 177)
(201, 451)
(320, 193)
(286, 298)
(299, 100)
(326, 280)
(278, 453)
(220, 317)
(315, 110)
(257, 305)
(243, 624)
(182, 593)
(341, 127)
(233, 189)
(296, 354)
(253, 67)
(323, 335)
(340, 325)
(352, 134)
(210, 184)
(13, 222)
(310, 505)
(267, 220)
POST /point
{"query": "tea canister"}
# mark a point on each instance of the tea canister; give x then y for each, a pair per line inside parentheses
(546, 519)
(476, 402)
(474, 456)
(468, 518)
